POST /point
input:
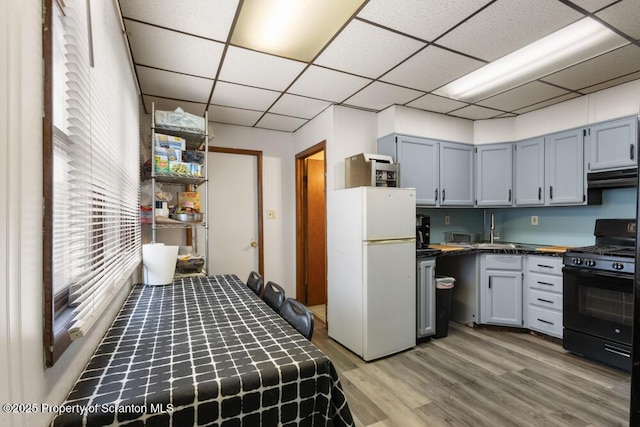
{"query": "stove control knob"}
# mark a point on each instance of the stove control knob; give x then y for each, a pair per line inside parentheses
(590, 263)
(618, 265)
(576, 261)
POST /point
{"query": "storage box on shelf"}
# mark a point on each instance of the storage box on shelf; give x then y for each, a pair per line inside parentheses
(179, 143)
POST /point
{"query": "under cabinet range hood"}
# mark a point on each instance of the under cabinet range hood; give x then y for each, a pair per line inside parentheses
(613, 179)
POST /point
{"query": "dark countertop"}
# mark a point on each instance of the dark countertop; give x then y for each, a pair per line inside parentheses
(457, 250)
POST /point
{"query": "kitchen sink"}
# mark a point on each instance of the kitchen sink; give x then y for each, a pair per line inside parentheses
(494, 245)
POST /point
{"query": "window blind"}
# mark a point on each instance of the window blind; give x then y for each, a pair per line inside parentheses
(96, 226)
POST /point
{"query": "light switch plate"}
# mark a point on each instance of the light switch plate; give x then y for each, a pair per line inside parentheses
(447, 220)
(534, 219)
(271, 214)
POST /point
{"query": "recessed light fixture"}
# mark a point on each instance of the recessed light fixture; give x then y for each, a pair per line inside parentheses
(572, 44)
(295, 29)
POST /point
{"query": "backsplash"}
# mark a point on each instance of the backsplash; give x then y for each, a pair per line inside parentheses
(567, 226)
(570, 226)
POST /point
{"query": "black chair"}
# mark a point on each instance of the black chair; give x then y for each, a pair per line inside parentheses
(254, 282)
(298, 316)
(273, 295)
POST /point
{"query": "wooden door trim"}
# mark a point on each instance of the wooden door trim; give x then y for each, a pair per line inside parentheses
(300, 229)
(258, 155)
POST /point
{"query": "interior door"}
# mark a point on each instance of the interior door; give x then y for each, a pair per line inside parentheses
(316, 234)
(234, 232)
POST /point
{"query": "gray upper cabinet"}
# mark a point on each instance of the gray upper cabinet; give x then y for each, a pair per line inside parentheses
(564, 168)
(441, 172)
(456, 174)
(613, 145)
(494, 175)
(529, 172)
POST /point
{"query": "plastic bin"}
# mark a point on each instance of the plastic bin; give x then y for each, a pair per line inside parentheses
(444, 297)
(159, 263)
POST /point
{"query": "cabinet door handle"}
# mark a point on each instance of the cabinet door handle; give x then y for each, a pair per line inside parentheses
(545, 321)
(551, 192)
(436, 194)
(545, 300)
(509, 194)
(539, 193)
(443, 196)
(631, 151)
(489, 282)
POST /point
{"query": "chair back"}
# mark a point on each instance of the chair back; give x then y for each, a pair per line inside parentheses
(254, 282)
(273, 295)
(298, 316)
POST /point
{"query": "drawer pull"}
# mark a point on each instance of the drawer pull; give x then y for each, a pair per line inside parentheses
(546, 321)
(545, 266)
(618, 351)
(545, 283)
(545, 300)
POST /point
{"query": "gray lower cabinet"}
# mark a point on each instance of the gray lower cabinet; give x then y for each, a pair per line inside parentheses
(441, 172)
(426, 298)
(494, 175)
(501, 290)
(529, 172)
(613, 145)
(564, 168)
(543, 281)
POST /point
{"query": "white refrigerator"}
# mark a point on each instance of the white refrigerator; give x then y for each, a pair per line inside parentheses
(371, 262)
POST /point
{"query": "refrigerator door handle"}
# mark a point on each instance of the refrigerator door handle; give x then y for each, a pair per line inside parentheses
(390, 241)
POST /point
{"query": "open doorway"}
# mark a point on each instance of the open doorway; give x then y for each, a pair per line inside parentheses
(311, 229)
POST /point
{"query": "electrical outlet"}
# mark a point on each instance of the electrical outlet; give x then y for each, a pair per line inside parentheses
(447, 220)
(271, 214)
(534, 219)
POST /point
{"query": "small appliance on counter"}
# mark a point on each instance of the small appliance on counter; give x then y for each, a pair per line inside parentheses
(371, 170)
(423, 231)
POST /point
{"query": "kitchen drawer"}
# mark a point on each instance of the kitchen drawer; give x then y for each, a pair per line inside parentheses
(548, 300)
(544, 282)
(545, 264)
(503, 262)
(545, 321)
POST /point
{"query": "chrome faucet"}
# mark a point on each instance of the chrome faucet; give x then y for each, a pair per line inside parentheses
(492, 229)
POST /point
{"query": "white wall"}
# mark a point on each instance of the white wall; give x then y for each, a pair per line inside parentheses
(278, 181)
(409, 121)
(615, 102)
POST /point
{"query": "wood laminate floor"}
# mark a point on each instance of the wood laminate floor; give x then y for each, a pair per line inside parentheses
(480, 377)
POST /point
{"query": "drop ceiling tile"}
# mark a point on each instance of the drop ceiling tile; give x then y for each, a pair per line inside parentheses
(475, 112)
(299, 106)
(379, 96)
(283, 123)
(173, 51)
(206, 18)
(330, 85)
(611, 65)
(425, 19)
(233, 116)
(508, 25)
(231, 95)
(625, 16)
(431, 68)
(593, 5)
(367, 50)
(171, 104)
(521, 96)
(548, 102)
(437, 104)
(611, 83)
(173, 85)
(257, 69)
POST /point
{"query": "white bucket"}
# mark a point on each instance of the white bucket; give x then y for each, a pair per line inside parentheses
(159, 263)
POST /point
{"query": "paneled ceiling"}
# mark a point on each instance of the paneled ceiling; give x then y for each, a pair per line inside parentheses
(391, 52)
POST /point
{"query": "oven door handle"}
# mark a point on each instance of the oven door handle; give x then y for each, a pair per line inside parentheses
(596, 273)
(618, 351)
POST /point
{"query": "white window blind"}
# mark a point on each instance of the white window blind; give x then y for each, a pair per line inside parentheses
(96, 225)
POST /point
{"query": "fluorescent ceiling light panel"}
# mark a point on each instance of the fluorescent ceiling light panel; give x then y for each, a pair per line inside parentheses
(575, 43)
(295, 29)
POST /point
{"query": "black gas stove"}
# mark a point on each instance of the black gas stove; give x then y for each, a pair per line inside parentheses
(598, 294)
